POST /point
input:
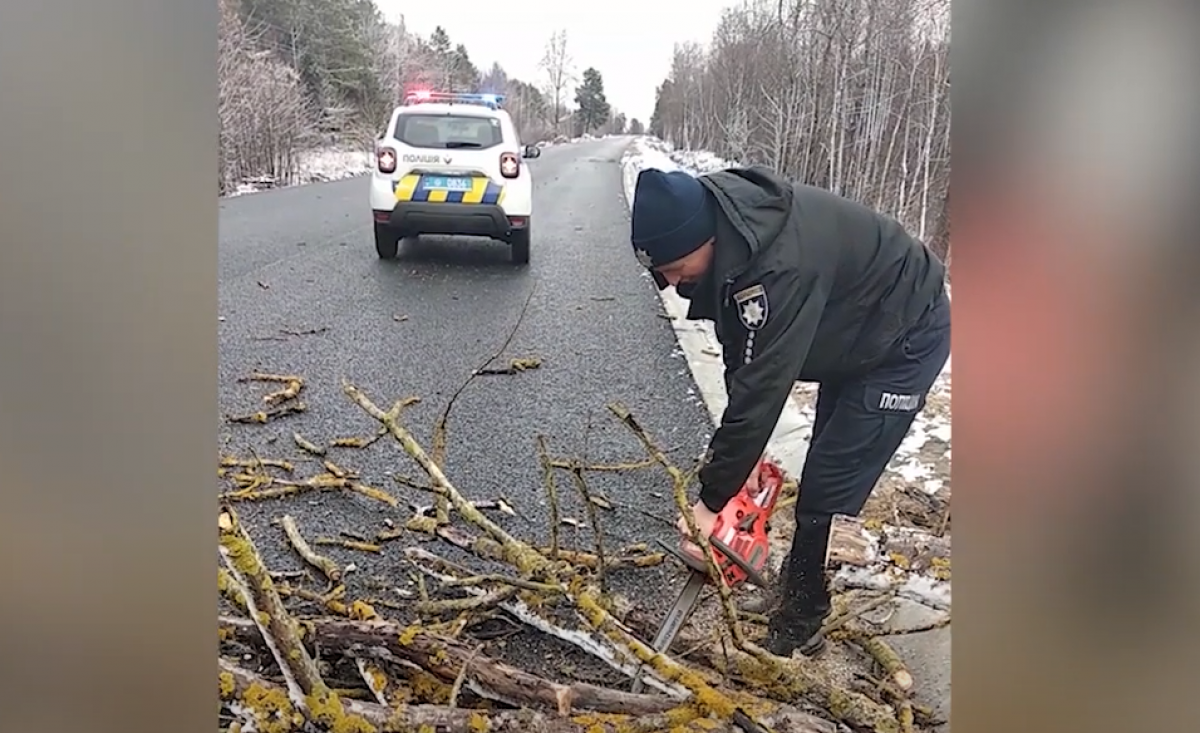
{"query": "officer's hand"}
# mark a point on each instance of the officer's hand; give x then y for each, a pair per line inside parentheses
(705, 519)
(753, 481)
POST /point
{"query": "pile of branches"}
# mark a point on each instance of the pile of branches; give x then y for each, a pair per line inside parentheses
(359, 665)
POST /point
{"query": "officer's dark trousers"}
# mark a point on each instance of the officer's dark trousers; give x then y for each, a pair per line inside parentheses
(858, 427)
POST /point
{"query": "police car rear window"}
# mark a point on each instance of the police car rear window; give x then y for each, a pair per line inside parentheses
(449, 132)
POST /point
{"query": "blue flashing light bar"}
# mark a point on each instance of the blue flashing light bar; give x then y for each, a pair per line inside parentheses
(488, 100)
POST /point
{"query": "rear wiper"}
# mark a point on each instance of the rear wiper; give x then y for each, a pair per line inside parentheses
(452, 145)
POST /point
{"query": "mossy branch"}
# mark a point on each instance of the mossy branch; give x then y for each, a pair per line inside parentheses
(551, 488)
(517, 553)
(752, 660)
(680, 480)
(262, 417)
(446, 658)
(265, 706)
(656, 454)
(292, 389)
(261, 487)
(306, 690)
(887, 659)
(529, 562)
(594, 520)
(327, 567)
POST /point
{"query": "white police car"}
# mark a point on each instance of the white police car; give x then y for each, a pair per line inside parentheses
(452, 164)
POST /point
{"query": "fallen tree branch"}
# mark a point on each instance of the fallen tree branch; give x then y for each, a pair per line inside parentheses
(306, 691)
(887, 659)
(359, 545)
(446, 659)
(289, 392)
(681, 479)
(327, 567)
(594, 521)
(596, 645)
(551, 487)
(262, 487)
(257, 463)
(262, 417)
(307, 445)
(515, 366)
(603, 467)
(265, 705)
(592, 607)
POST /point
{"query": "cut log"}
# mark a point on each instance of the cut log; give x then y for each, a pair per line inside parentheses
(870, 555)
(445, 657)
(260, 702)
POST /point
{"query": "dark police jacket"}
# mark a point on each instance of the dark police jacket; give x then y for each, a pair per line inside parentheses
(805, 286)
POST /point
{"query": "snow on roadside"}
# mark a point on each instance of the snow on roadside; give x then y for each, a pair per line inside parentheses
(923, 460)
(564, 140)
(334, 164)
(315, 166)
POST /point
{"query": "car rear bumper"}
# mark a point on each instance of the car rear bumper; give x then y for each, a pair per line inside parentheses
(419, 217)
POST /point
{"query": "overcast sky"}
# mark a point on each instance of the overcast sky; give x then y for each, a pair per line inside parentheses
(628, 41)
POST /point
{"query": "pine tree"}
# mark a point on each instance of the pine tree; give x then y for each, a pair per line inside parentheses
(593, 109)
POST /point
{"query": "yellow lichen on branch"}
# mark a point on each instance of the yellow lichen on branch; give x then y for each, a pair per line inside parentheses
(261, 487)
(306, 689)
(786, 679)
(887, 659)
(551, 489)
(327, 567)
(529, 561)
(680, 481)
(262, 417)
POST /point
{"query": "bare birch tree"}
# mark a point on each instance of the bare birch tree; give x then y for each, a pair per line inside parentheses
(560, 74)
(262, 111)
(850, 95)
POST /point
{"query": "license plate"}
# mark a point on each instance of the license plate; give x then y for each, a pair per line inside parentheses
(445, 183)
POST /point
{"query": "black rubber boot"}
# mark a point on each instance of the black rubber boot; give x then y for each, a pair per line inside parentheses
(804, 637)
(795, 625)
(765, 601)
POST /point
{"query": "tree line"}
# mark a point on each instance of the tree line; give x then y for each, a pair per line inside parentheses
(849, 95)
(296, 74)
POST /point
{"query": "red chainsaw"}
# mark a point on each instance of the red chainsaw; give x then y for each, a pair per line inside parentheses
(739, 547)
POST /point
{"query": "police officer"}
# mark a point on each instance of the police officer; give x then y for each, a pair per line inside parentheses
(801, 285)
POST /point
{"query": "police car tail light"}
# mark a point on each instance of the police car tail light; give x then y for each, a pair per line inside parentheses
(510, 165)
(385, 159)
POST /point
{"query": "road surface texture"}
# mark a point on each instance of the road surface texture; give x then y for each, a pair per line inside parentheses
(302, 259)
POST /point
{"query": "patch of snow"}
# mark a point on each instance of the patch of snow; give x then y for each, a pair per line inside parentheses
(922, 589)
(333, 165)
(315, 166)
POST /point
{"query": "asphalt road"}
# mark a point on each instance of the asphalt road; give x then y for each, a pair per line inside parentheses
(303, 259)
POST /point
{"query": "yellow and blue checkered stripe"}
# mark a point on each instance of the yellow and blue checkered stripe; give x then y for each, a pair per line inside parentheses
(483, 191)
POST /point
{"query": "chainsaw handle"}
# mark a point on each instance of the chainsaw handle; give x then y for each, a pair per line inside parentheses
(752, 575)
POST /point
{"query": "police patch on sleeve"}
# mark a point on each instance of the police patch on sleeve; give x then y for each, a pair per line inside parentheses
(752, 307)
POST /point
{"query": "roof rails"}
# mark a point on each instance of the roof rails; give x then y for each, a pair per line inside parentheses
(491, 101)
